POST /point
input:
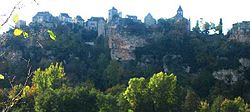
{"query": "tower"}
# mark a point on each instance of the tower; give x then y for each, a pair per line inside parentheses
(179, 12)
(149, 20)
(113, 12)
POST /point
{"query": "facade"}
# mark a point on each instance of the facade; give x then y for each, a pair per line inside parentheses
(179, 14)
(78, 20)
(97, 24)
(149, 20)
(21, 23)
(133, 18)
(101, 27)
(241, 27)
(114, 15)
(64, 17)
(240, 32)
(43, 17)
(180, 18)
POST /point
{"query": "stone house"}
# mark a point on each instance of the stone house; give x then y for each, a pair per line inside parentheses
(64, 17)
(78, 20)
(149, 20)
(21, 23)
(43, 17)
(97, 24)
(179, 17)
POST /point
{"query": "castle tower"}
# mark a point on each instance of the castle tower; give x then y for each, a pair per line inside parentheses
(112, 12)
(149, 20)
(180, 12)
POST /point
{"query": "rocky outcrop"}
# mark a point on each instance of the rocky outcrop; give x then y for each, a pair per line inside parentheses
(228, 76)
(122, 44)
(231, 76)
(241, 32)
(241, 36)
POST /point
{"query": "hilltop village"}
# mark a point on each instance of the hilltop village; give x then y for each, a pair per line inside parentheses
(122, 47)
(122, 64)
(99, 24)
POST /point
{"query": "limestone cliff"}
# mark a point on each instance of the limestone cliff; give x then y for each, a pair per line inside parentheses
(122, 44)
(241, 36)
(232, 76)
(241, 32)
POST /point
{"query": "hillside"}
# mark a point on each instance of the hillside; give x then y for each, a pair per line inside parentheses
(101, 70)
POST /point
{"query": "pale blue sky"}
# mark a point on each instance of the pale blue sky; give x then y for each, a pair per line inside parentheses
(231, 11)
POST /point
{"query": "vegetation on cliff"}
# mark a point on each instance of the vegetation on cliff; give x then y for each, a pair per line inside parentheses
(211, 72)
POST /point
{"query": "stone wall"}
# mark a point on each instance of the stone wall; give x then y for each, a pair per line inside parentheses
(122, 45)
(240, 36)
(241, 32)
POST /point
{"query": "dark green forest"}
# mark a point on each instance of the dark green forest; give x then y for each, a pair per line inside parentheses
(178, 71)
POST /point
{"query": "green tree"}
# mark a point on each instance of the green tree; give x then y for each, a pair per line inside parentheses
(236, 105)
(162, 90)
(204, 106)
(45, 82)
(206, 28)
(49, 78)
(192, 101)
(220, 27)
(215, 107)
(137, 95)
(156, 95)
(68, 99)
(197, 29)
(114, 72)
(107, 103)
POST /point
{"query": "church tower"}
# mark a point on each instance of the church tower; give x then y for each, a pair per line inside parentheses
(179, 12)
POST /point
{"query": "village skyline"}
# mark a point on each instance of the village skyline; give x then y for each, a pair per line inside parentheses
(195, 9)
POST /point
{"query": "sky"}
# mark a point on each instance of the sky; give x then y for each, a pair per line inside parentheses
(231, 11)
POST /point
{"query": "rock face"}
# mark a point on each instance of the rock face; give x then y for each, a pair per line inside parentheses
(231, 76)
(228, 76)
(241, 32)
(241, 36)
(122, 45)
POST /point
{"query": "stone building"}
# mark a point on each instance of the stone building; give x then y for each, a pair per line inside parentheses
(133, 18)
(43, 17)
(21, 23)
(149, 20)
(64, 17)
(97, 24)
(114, 15)
(241, 27)
(240, 32)
(180, 18)
(78, 20)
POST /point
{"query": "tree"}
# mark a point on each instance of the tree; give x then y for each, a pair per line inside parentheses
(197, 29)
(220, 27)
(204, 106)
(206, 28)
(191, 102)
(45, 82)
(215, 107)
(156, 95)
(11, 96)
(236, 105)
(67, 99)
(137, 95)
(49, 78)
(162, 89)
(114, 72)
(107, 103)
